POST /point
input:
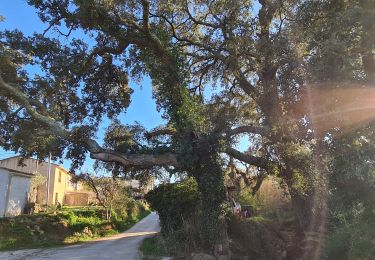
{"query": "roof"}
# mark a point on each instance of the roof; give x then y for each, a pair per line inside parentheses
(19, 156)
(29, 158)
(18, 172)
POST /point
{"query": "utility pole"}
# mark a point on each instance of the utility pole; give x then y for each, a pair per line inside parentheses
(48, 177)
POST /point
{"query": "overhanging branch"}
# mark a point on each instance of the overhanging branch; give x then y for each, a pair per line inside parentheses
(250, 159)
(24, 101)
(136, 160)
(160, 131)
(251, 129)
(96, 151)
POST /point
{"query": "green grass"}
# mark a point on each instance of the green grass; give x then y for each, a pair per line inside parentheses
(66, 226)
(152, 248)
(261, 219)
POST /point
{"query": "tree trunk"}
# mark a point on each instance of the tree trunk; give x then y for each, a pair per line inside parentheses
(210, 180)
(310, 211)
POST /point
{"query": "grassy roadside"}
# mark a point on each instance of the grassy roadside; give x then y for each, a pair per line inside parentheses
(152, 248)
(66, 226)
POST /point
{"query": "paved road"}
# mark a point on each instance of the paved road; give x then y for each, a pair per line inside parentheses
(122, 246)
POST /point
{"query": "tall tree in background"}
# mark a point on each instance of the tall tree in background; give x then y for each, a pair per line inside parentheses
(340, 40)
(112, 194)
(263, 56)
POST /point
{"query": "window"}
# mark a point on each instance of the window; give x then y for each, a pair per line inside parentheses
(59, 176)
(56, 198)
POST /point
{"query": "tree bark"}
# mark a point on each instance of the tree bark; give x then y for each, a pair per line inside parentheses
(136, 160)
(251, 129)
(252, 160)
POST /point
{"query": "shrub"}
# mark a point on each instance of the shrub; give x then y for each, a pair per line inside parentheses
(137, 212)
(69, 225)
(246, 198)
(352, 241)
(77, 237)
(174, 202)
(255, 237)
(152, 248)
(109, 232)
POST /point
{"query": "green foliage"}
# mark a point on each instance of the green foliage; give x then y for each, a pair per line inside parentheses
(152, 248)
(77, 237)
(134, 214)
(174, 202)
(112, 194)
(246, 198)
(25, 232)
(255, 237)
(264, 55)
(352, 241)
(79, 222)
(352, 198)
(68, 225)
(37, 180)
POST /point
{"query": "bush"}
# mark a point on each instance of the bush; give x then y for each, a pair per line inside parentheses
(69, 225)
(174, 202)
(246, 198)
(352, 241)
(138, 212)
(255, 237)
(152, 248)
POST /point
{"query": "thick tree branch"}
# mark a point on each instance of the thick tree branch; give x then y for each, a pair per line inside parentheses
(24, 101)
(259, 181)
(145, 15)
(119, 49)
(161, 131)
(251, 129)
(136, 160)
(248, 181)
(252, 160)
(54, 127)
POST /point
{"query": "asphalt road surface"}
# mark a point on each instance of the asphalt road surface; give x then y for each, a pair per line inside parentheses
(122, 246)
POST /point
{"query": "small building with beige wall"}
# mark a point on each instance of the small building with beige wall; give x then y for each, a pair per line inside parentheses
(62, 190)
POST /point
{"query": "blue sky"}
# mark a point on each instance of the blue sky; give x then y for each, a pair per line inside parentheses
(19, 15)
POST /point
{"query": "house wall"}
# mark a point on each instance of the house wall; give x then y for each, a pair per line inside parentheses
(14, 189)
(70, 186)
(18, 194)
(4, 179)
(32, 166)
(58, 187)
(42, 189)
(60, 179)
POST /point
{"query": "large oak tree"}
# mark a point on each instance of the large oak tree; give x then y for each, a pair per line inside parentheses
(263, 56)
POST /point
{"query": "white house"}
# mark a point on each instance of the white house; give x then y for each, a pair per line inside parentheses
(62, 190)
(14, 191)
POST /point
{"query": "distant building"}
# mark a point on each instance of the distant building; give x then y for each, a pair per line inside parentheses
(14, 191)
(16, 188)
